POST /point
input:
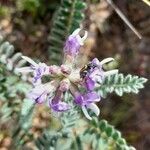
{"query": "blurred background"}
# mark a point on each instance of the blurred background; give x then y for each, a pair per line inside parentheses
(27, 25)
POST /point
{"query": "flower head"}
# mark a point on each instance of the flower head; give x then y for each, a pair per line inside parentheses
(68, 78)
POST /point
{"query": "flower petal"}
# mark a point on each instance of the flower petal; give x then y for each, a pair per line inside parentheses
(106, 60)
(41, 98)
(86, 113)
(91, 97)
(59, 106)
(76, 32)
(24, 69)
(74, 42)
(82, 39)
(89, 83)
(95, 61)
(30, 60)
(86, 99)
(94, 108)
(38, 96)
(85, 36)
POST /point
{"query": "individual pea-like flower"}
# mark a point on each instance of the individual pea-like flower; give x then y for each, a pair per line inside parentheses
(86, 101)
(38, 70)
(68, 78)
(96, 74)
(74, 42)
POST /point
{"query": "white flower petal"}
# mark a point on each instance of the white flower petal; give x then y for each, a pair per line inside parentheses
(94, 108)
(30, 60)
(82, 39)
(76, 32)
(106, 60)
(85, 36)
(86, 113)
(111, 72)
(24, 69)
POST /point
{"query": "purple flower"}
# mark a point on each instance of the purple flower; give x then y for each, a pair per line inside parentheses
(38, 69)
(39, 72)
(74, 42)
(85, 99)
(99, 65)
(68, 78)
(57, 105)
(89, 83)
(95, 75)
(39, 94)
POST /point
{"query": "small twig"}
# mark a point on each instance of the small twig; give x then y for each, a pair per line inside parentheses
(124, 18)
(147, 2)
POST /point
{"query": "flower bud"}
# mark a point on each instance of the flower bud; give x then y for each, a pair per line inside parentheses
(64, 85)
(54, 70)
(65, 69)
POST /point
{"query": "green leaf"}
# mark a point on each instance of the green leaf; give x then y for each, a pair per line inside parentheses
(121, 84)
(106, 136)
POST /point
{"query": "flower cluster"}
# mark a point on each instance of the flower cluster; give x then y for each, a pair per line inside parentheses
(68, 78)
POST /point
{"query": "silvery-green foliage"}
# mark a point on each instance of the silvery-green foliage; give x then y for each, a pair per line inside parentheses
(102, 135)
(21, 132)
(120, 84)
(67, 18)
(9, 58)
(97, 134)
(54, 140)
(13, 90)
